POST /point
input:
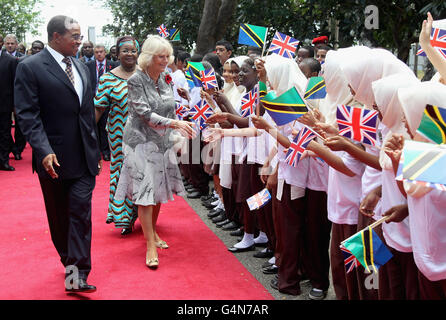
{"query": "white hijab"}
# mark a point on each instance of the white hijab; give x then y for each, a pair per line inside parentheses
(386, 92)
(336, 83)
(283, 74)
(368, 66)
(415, 98)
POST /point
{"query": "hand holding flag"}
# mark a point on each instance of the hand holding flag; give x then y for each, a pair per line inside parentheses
(259, 200)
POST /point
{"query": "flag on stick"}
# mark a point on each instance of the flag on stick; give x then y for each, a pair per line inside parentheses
(163, 32)
(433, 124)
(200, 113)
(174, 35)
(438, 41)
(181, 111)
(249, 102)
(208, 79)
(316, 88)
(259, 200)
(368, 248)
(194, 69)
(285, 108)
(358, 124)
(283, 45)
(252, 35)
(298, 146)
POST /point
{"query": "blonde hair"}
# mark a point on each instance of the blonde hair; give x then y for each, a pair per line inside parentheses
(152, 46)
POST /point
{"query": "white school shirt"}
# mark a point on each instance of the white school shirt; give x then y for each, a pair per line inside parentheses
(179, 81)
(296, 177)
(258, 148)
(318, 175)
(344, 192)
(371, 179)
(397, 235)
(428, 232)
(78, 85)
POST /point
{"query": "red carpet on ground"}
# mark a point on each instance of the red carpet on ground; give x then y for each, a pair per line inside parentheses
(197, 266)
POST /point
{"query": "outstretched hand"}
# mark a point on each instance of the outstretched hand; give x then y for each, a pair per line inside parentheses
(336, 143)
(394, 147)
(217, 118)
(260, 123)
(426, 29)
(215, 134)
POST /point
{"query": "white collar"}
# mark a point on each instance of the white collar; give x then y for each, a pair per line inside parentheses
(56, 54)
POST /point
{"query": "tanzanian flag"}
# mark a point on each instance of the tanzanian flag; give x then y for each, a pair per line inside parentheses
(285, 108)
(194, 70)
(262, 89)
(315, 88)
(174, 35)
(189, 79)
(368, 248)
(252, 35)
(424, 162)
(433, 124)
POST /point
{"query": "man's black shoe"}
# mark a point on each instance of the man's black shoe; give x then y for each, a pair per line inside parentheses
(264, 254)
(273, 269)
(236, 233)
(222, 223)
(275, 284)
(214, 213)
(80, 286)
(317, 294)
(230, 226)
(17, 156)
(219, 218)
(194, 195)
(206, 197)
(6, 167)
(266, 265)
(234, 249)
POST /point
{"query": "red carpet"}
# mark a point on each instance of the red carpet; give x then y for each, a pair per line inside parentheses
(197, 266)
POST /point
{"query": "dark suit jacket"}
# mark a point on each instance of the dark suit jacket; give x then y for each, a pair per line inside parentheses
(110, 65)
(51, 117)
(8, 65)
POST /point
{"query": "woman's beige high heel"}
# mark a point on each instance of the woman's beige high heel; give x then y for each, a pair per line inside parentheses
(162, 244)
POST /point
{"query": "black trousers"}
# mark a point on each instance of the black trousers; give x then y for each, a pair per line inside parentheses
(103, 135)
(19, 139)
(6, 141)
(68, 208)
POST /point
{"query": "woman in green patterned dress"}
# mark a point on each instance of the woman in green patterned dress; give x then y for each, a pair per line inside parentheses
(112, 93)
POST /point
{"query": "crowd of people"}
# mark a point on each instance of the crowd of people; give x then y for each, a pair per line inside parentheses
(339, 186)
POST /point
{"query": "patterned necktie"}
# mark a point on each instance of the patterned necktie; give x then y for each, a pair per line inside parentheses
(69, 69)
(101, 70)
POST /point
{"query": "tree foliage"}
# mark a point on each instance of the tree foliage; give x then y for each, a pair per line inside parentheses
(19, 17)
(399, 20)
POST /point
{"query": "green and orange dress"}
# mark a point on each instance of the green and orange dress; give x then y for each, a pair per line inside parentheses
(112, 93)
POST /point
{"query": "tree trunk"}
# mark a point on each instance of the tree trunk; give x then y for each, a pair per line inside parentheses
(214, 21)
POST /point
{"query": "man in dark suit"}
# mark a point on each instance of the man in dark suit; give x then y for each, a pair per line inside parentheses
(8, 65)
(87, 52)
(98, 67)
(54, 105)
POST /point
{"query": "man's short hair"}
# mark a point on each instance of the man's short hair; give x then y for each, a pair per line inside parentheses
(323, 47)
(310, 49)
(182, 56)
(226, 44)
(39, 42)
(313, 64)
(255, 50)
(11, 36)
(99, 46)
(59, 24)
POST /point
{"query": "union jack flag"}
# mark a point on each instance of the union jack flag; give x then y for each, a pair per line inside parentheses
(249, 102)
(200, 113)
(259, 200)
(298, 146)
(162, 30)
(181, 111)
(283, 45)
(438, 41)
(358, 124)
(208, 79)
(350, 260)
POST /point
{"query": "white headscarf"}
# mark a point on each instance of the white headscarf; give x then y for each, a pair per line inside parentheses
(235, 93)
(386, 92)
(415, 98)
(361, 70)
(283, 74)
(336, 83)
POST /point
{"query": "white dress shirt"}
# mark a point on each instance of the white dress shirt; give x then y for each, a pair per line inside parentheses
(78, 86)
